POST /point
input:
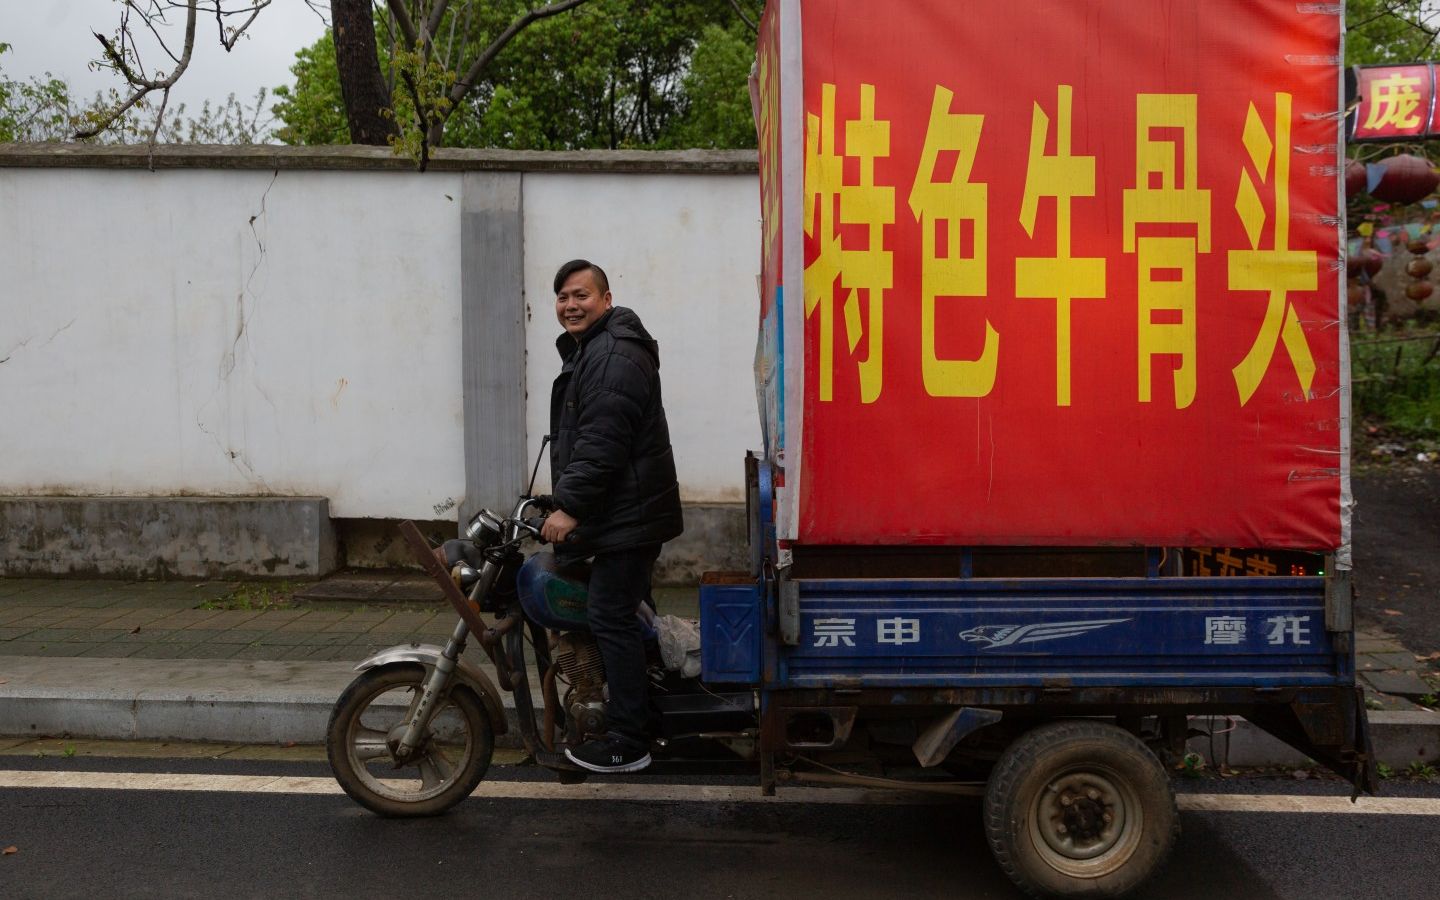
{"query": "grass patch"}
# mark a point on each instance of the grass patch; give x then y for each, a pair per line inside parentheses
(1395, 378)
(256, 595)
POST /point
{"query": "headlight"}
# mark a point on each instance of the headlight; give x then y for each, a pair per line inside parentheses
(484, 528)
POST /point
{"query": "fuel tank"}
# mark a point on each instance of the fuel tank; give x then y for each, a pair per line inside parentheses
(555, 596)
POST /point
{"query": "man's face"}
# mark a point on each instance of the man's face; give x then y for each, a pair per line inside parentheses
(580, 303)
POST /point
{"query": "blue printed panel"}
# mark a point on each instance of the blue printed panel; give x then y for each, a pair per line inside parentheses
(730, 633)
(1124, 632)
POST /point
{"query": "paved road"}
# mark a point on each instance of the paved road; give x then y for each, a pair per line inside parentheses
(212, 844)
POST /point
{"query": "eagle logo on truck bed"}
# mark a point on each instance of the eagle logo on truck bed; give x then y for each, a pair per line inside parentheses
(992, 636)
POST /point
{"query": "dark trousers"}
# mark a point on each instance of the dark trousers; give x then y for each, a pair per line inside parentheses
(619, 583)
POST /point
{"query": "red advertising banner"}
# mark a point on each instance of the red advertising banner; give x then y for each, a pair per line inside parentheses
(1070, 274)
(765, 99)
(1394, 102)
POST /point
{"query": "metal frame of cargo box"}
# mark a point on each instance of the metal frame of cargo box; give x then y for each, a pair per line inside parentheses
(1127, 648)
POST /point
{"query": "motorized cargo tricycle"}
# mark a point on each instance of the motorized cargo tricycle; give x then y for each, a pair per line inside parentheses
(1058, 696)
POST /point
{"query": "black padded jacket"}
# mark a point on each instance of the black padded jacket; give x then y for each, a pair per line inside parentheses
(610, 461)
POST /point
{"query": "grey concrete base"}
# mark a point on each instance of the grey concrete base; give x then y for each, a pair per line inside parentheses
(1405, 736)
(714, 540)
(377, 544)
(228, 701)
(166, 537)
(1399, 738)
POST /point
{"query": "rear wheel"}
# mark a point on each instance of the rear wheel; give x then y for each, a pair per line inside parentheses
(364, 729)
(1080, 809)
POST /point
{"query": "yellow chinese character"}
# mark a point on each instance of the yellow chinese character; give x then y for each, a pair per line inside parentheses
(1165, 192)
(1260, 565)
(1276, 271)
(1393, 100)
(1202, 561)
(770, 143)
(947, 204)
(866, 270)
(1061, 277)
(1229, 563)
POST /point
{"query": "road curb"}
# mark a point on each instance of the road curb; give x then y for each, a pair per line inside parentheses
(1399, 737)
(259, 702)
(268, 702)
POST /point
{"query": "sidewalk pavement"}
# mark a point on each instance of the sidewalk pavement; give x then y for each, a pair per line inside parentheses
(262, 662)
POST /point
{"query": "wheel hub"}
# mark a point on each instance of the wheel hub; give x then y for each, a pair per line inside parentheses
(1081, 815)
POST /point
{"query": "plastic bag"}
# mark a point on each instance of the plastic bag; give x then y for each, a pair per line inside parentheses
(679, 644)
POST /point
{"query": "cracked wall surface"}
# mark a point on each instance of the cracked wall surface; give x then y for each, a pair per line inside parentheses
(183, 333)
(254, 333)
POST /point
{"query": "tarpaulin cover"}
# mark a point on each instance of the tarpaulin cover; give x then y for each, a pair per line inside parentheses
(1053, 273)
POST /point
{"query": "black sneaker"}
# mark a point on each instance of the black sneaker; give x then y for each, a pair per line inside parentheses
(612, 753)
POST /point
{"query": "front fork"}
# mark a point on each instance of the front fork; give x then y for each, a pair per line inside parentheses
(437, 685)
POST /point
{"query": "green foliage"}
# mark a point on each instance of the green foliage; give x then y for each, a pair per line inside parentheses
(1384, 771)
(1389, 31)
(1421, 769)
(312, 110)
(717, 89)
(42, 109)
(1396, 378)
(421, 101)
(608, 74)
(34, 110)
(231, 122)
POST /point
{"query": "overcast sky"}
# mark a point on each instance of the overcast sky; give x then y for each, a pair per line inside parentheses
(56, 36)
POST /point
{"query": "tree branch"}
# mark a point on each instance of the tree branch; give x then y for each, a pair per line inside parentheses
(138, 81)
(402, 18)
(432, 25)
(235, 35)
(1391, 11)
(735, 5)
(463, 85)
(424, 122)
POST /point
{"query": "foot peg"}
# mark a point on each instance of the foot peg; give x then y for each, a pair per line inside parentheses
(557, 762)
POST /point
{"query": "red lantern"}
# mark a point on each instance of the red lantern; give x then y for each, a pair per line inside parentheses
(1419, 290)
(1355, 295)
(1404, 179)
(1419, 268)
(1354, 178)
(1368, 261)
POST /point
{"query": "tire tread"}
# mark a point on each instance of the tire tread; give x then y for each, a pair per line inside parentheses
(1018, 760)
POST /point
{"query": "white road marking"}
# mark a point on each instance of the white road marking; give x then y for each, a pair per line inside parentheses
(1291, 803)
(679, 793)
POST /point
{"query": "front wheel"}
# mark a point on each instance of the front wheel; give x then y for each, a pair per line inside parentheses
(453, 755)
(1080, 809)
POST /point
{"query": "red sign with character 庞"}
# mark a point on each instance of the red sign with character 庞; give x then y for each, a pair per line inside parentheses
(1070, 274)
(1395, 102)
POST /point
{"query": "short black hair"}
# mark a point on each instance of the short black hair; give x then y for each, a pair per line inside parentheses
(575, 265)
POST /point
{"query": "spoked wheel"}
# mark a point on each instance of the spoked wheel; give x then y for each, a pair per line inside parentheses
(365, 728)
(1080, 809)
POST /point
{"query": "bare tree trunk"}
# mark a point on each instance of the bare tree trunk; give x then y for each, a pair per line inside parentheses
(362, 85)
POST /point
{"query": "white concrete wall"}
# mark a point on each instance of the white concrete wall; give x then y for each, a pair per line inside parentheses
(247, 333)
(683, 252)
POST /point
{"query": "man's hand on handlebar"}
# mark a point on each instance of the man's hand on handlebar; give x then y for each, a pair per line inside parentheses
(558, 526)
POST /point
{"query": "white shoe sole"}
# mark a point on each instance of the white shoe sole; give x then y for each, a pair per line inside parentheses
(641, 763)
